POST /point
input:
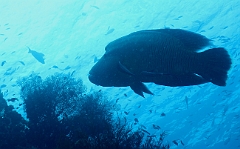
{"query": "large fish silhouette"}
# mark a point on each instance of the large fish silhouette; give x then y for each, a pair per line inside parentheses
(169, 57)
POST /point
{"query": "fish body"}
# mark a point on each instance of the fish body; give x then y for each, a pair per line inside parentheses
(167, 57)
(37, 55)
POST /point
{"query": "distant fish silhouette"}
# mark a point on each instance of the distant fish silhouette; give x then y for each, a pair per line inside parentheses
(95, 59)
(156, 127)
(22, 62)
(163, 114)
(54, 66)
(38, 56)
(176, 142)
(10, 71)
(109, 31)
(3, 62)
(68, 67)
(3, 85)
(95, 7)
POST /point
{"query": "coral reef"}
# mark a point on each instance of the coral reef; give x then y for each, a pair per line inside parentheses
(60, 115)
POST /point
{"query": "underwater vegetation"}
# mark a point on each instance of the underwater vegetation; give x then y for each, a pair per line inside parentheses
(12, 127)
(61, 115)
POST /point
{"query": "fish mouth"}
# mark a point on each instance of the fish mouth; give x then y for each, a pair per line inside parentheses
(93, 79)
(90, 77)
(98, 80)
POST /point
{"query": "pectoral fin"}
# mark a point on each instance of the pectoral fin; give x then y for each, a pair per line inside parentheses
(153, 74)
(124, 69)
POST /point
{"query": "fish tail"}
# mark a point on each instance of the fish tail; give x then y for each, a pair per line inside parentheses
(215, 64)
(29, 50)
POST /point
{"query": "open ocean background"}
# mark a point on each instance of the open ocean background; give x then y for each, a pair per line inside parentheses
(72, 35)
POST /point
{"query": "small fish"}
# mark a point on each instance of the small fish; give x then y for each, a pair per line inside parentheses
(3, 85)
(156, 127)
(126, 112)
(163, 114)
(3, 62)
(94, 6)
(110, 31)
(10, 71)
(182, 142)
(77, 58)
(142, 126)
(145, 131)
(168, 57)
(68, 67)
(175, 142)
(84, 14)
(54, 66)
(38, 56)
(136, 120)
(95, 59)
(73, 72)
(116, 107)
(22, 62)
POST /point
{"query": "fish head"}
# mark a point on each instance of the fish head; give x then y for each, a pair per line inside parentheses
(106, 73)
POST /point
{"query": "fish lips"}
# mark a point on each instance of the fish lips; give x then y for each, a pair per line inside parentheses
(93, 79)
(99, 80)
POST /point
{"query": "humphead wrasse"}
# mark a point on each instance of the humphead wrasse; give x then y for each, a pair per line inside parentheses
(169, 57)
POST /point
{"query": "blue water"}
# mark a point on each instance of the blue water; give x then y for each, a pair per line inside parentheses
(71, 36)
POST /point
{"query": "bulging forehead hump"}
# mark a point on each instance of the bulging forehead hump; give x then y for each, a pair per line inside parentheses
(105, 66)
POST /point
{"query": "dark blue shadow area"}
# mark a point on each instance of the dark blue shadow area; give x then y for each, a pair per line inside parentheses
(61, 115)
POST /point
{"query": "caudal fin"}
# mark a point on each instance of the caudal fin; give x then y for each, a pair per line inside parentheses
(216, 62)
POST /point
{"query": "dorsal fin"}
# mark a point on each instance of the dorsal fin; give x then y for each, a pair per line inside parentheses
(124, 69)
(191, 40)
